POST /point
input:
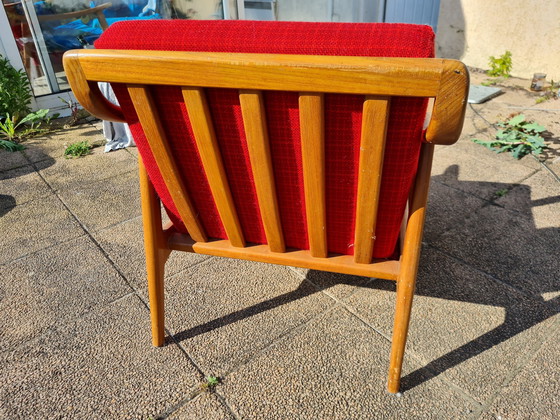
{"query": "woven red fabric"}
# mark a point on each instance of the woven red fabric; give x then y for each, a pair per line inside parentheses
(343, 114)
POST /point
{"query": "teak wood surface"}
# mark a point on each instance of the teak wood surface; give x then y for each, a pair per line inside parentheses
(377, 79)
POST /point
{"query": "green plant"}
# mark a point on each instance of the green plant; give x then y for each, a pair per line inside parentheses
(28, 125)
(10, 146)
(15, 92)
(518, 136)
(210, 384)
(75, 112)
(501, 193)
(501, 66)
(79, 149)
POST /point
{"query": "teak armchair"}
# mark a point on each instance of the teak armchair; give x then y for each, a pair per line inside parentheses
(201, 118)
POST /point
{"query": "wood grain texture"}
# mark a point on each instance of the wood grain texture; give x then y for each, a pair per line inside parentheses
(384, 269)
(157, 252)
(151, 124)
(410, 259)
(299, 73)
(450, 104)
(87, 92)
(372, 146)
(209, 150)
(311, 119)
(254, 120)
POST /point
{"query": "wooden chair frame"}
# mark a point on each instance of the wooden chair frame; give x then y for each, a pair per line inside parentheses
(378, 79)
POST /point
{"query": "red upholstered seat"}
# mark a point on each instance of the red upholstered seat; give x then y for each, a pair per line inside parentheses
(342, 119)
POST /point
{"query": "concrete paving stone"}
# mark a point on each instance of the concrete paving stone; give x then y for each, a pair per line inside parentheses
(52, 145)
(52, 286)
(224, 311)
(508, 246)
(35, 225)
(11, 160)
(124, 243)
(22, 184)
(537, 198)
(102, 365)
(476, 174)
(104, 203)
(72, 173)
(205, 406)
(533, 394)
(335, 367)
(447, 209)
(465, 327)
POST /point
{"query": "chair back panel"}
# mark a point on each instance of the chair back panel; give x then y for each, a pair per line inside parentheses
(343, 121)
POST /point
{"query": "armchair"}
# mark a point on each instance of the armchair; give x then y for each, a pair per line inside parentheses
(289, 143)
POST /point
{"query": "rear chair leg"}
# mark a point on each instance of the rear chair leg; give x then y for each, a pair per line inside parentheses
(405, 293)
(156, 253)
(409, 265)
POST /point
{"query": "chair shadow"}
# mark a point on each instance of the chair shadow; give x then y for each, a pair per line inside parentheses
(517, 318)
(7, 203)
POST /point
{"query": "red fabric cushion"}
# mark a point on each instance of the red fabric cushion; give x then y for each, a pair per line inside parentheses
(342, 119)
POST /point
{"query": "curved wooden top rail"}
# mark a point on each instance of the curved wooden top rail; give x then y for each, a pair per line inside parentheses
(445, 80)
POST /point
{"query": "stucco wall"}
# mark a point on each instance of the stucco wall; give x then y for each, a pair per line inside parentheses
(473, 30)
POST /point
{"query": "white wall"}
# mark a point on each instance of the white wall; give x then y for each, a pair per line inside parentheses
(474, 30)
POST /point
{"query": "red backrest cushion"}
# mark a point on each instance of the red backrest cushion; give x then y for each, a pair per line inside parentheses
(342, 119)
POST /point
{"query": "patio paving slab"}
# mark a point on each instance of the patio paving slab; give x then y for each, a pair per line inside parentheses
(465, 327)
(23, 184)
(104, 203)
(205, 406)
(223, 311)
(334, 367)
(533, 392)
(124, 243)
(11, 160)
(54, 286)
(35, 225)
(102, 365)
(510, 247)
(67, 173)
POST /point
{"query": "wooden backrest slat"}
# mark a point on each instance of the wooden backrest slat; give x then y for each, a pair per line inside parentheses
(311, 116)
(372, 146)
(209, 150)
(151, 124)
(254, 120)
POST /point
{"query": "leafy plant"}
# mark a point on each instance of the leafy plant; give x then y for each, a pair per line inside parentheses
(500, 66)
(75, 113)
(15, 92)
(79, 149)
(210, 384)
(10, 146)
(28, 125)
(518, 136)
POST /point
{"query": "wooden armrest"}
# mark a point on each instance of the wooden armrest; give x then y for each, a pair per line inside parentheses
(450, 105)
(87, 92)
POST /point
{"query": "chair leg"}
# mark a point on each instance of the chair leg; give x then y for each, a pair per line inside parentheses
(409, 266)
(405, 293)
(156, 253)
